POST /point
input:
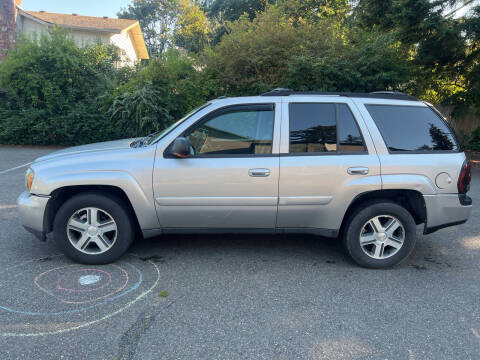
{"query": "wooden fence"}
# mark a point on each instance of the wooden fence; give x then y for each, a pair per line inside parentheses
(463, 125)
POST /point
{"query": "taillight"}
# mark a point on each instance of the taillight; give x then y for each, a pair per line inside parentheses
(465, 177)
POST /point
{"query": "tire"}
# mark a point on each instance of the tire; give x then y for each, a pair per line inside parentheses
(77, 222)
(373, 223)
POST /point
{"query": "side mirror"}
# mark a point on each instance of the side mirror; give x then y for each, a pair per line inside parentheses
(181, 148)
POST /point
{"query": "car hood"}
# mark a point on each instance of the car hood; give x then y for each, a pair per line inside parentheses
(102, 146)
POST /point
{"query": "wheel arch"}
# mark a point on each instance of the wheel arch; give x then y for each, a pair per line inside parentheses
(411, 200)
(140, 198)
(61, 195)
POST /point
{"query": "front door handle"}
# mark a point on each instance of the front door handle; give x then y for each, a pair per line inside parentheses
(358, 170)
(259, 172)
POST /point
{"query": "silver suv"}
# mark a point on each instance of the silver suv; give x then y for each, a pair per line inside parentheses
(366, 168)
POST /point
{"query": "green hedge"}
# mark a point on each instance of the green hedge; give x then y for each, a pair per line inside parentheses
(54, 93)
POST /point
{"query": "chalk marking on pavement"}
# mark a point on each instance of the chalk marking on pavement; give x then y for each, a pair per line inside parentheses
(5, 207)
(475, 333)
(135, 287)
(108, 316)
(15, 168)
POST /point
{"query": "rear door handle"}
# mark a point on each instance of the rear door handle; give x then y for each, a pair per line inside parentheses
(259, 172)
(358, 170)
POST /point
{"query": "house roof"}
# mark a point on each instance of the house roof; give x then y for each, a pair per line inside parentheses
(80, 21)
(97, 24)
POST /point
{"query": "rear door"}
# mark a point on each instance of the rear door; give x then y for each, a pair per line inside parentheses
(327, 158)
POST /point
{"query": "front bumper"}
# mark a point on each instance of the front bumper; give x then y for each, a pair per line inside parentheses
(446, 210)
(32, 213)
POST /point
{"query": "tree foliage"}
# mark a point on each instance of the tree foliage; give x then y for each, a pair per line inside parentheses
(277, 49)
(193, 27)
(157, 19)
(159, 94)
(52, 92)
(166, 23)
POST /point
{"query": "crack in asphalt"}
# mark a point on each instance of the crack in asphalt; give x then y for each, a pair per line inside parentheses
(131, 338)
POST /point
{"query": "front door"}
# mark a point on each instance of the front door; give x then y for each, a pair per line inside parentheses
(230, 180)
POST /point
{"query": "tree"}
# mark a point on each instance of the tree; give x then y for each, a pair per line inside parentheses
(276, 50)
(437, 44)
(192, 28)
(469, 68)
(315, 10)
(231, 10)
(157, 19)
(168, 23)
(220, 12)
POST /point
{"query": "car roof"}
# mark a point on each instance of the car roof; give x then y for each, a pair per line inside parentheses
(382, 96)
(390, 95)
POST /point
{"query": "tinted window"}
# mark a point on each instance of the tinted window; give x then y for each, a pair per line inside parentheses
(349, 137)
(314, 126)
(412, 128)
(240, 131)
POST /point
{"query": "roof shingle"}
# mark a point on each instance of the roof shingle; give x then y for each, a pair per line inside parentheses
(80, 21)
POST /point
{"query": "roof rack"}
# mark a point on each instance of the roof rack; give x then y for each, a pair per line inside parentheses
(394, 95)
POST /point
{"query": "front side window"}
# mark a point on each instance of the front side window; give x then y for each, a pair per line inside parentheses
(322, 127)
(412, 128)
(241, 130)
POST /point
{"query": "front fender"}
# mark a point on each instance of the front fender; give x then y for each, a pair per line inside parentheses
(141, 202)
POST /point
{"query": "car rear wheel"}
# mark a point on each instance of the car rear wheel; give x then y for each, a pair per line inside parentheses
(380, 234)
(92, 228)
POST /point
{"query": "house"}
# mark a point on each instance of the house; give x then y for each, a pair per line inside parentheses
(85, 30)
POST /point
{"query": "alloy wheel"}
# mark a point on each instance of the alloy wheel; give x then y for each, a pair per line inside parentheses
(382, 237)
(92, 230)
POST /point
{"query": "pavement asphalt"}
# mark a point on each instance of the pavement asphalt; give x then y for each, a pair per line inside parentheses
(235, 296)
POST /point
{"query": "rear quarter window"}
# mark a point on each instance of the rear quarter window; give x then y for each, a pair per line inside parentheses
(412, 128)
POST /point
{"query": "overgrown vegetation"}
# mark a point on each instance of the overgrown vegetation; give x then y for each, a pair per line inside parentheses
(52, 92)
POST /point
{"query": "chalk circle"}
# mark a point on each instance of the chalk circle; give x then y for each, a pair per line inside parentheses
(68, 289)
(79, 288)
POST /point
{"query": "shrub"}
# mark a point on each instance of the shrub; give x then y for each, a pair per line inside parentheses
(160, 93)
(140, 111)
(53, 92)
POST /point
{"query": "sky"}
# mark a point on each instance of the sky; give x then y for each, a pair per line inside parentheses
(107, 7)
(81, 7)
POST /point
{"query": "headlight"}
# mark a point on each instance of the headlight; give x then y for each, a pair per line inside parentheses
(29, 176)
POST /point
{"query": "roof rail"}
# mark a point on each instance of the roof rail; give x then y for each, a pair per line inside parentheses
(279, 92)
(388, 92)
(394, 95)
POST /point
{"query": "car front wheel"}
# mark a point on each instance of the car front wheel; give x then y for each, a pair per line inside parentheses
(380, 234)
(92, 228)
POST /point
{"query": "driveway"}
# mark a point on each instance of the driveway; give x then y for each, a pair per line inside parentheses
(235, 297)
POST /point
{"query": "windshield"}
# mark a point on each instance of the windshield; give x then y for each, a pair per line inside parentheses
(161, 134)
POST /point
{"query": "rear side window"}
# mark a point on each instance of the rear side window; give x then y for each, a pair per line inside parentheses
(349, 137)
(412, 128)
(322, 127)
